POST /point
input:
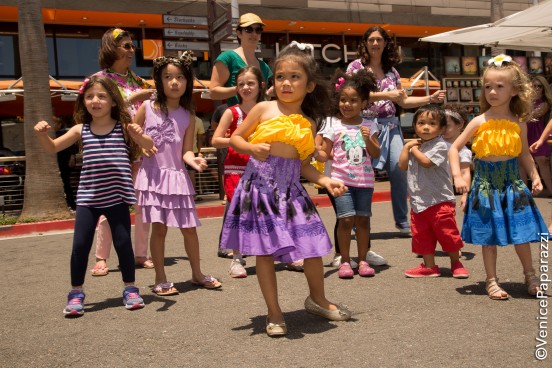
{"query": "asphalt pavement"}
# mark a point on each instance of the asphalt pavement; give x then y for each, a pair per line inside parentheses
(397, 322)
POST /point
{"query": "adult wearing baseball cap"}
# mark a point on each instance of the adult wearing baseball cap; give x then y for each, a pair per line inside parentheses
(228, 63)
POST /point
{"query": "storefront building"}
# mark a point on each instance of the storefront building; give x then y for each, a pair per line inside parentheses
(74, 28)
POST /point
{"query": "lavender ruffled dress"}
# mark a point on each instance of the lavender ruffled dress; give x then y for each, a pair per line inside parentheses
(165, 190)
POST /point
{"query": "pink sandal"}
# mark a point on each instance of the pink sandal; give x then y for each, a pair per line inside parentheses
(99, 270)
(208, 282)
(164, 289)
(148, 263)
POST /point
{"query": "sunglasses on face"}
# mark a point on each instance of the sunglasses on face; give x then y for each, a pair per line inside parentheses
(257, 30)
(128, 46)
(537, 86)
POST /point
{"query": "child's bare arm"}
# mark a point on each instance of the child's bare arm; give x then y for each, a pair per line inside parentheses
(419, 156)
(142, 139)
(371, 141)
(405, 154)
(55, 145)
(220, 140)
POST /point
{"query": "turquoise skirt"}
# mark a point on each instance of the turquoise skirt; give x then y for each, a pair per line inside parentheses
(500, 209)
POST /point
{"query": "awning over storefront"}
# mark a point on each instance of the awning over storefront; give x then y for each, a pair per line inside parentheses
(529, 30)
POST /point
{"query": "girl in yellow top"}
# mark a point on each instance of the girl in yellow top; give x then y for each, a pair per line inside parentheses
(500, 209)
(271, 215)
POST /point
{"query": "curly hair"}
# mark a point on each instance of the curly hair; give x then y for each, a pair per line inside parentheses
(363, 82)
(317, 103)
(111, 39)
(390, 56)
(185, 63)
(119, 112)
(521, 104)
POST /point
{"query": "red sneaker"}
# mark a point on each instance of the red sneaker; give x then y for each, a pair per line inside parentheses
(423, 271)
(458, 271)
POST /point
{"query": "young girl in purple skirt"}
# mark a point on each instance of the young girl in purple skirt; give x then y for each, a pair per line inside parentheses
(271, 216)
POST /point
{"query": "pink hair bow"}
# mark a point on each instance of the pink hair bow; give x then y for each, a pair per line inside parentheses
(339, 83)
(83, 86)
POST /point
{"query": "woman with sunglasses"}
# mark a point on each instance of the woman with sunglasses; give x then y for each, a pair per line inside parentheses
(379, 54)
(535, 129)
(228, 63)
(115, 58)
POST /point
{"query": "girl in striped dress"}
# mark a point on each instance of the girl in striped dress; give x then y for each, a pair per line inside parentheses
(105, 186)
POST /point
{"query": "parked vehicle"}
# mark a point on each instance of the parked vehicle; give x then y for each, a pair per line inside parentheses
(12, 181)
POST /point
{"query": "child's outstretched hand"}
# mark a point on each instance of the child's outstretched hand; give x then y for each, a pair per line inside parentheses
(199, 163)
(149, 152)
(536, 186)
(135, 130)
(535, 146)
(335, 187)
(460, 185)
(261, 151)
(42, 127)
(365, 131)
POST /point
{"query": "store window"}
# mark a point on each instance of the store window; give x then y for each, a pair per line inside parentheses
(77, 58)
(7, 62)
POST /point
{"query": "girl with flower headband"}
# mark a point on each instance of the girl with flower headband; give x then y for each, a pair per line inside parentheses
(500, 209)
(115, 58)
(105, 186)
(352, 141)
(271, 216)
(166, 192)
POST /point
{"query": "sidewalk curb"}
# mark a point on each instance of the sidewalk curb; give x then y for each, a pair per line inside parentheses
(321, 201)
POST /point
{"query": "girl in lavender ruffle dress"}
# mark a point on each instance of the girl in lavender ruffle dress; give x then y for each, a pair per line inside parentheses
(166, 191)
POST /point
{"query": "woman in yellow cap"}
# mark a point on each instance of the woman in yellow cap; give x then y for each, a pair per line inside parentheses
(228, 63)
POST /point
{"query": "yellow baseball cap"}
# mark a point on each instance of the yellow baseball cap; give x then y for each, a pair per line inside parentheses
(248, 19)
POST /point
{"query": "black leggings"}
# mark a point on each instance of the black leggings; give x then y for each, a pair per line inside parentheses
(118, 217)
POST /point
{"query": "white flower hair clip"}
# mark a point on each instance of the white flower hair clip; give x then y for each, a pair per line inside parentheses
(302, 46)
(499, 59)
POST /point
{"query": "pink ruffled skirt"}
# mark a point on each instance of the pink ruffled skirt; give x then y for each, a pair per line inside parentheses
(166, 196)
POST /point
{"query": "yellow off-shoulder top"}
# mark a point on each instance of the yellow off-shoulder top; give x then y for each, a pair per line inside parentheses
(293, 129)
(497, 138)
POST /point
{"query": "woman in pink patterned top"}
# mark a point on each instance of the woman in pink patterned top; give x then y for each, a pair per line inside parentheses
(115, 58)
(378, 54)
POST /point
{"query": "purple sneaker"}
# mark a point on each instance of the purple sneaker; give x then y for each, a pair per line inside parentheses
(75, 304)
(132, 298)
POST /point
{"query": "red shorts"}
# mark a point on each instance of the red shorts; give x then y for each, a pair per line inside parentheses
(230, 183)
(435, 224)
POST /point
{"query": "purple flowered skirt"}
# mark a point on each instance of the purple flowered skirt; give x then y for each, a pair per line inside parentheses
(272, 214)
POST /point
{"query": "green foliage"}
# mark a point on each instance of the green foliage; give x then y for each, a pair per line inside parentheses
(10, 220)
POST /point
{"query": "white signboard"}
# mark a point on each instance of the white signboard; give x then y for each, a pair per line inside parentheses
(184, 19)
(185, 33)
(183, 45)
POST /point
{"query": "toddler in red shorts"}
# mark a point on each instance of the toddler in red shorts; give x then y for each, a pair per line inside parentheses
(432, 201)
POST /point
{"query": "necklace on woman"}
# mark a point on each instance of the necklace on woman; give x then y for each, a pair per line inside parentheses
(121, 75)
